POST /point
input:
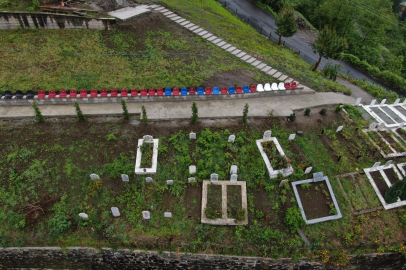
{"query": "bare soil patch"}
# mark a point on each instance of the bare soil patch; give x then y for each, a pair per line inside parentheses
(316, 203)
(380, 182)
(390, 173)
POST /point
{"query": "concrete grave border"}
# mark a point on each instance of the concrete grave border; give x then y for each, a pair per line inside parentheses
(224, 220)
(391, 107)
(394, 152)
(385, 205)
(299, 202)
(401, 168)
(151, 170)
(273, 173)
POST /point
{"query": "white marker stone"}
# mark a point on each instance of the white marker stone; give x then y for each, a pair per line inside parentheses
(308, 170)
(372, 102)
(358, 101)
(191, 180)
(396, 101)
(125, 178)
(169, 182)
(214, 177)
(283, 182)
(376, 165)
(234, 178)
(148, 179)
(267, 135)
(115, 211)
(339, 129)
(388, 163)
(292, 137)
(192, 169)
(192, 135)
(94, 176)
(231, 138)
(372, 126)
(146, 214)
(83, 215)
(233, 169)
(168, 214)
(383, 101)
(148, 139)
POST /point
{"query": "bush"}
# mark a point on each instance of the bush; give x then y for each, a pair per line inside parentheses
(194, 118)
(38, 115)
(126, 115)
(293, 219)
(323, 112)
(307, 112)
(292, 117)
(144, 118)
(79, 114)
(245, 113)
(111, 137)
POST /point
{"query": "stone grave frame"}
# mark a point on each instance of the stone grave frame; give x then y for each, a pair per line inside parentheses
(395, 138)
(385, 205)
(299, 202)
(273, 173)
(151, 170)
(224, 220)
(401, 167)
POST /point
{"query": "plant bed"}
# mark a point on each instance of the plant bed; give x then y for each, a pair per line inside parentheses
(141, 161)
(301, 161)
(214, 208)
(390, 173)
(401, 133)
(379, 142)
(147, 150)
(387, 149)
(379, 181)
(234, 203)
(327, 144)
(394, 144)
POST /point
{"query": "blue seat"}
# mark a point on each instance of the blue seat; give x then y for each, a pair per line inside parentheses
(216, 91)
(168, 92)
(246, 89)
(183, 91)
(231, 90)
(200, 91)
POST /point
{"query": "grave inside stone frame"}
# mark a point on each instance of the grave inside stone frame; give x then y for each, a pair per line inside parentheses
(231, 138)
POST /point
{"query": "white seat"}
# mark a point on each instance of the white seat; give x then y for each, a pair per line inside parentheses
(260, 88)
(281, 86)
(275, 87)
(267, 87)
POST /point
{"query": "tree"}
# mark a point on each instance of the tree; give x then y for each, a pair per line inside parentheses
(329, 45)
(286, 23)
(81, 117)
(194, 118)
(245, 113)
(38, 115)
(126, 115)
(144, 118)
(396, 191)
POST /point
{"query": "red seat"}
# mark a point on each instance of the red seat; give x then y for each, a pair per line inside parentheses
(287, 86)
(93, 93)
(238, 90)
(192, 91)
(83, 93)
(175, 91)
(103, 93)
(160, 92)
(72, 93)
(151, 92)
(41, 94)
(209, 91)
(52, 94)
(253, 89)
(114, 93)
(62, 94)
(294, 85)
(134, 92)
(124, 93)
(144, 92)
(224, 90)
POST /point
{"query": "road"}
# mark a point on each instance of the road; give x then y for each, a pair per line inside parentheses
(261, 18)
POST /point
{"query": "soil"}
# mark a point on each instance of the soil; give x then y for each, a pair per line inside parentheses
(315, 202)
(234, 200)
(327, 142)
(194, 209)
(299, 155)
(271, 217)
(390, 173)
(214, 197)
(380, 182)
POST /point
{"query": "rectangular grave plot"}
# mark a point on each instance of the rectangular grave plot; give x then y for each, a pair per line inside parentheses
(274, 157)
(234, 203)
(214, 202)
(392, 114)
(379, 142)
(368, 191)
(382, 115)
(146, 161)
(354, 193)
(394, 144)
(379, 182)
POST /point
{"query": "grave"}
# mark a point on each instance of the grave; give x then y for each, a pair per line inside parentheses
(267, 135)
(233, 169)
(214, 177)
(192, 169)
(169, 182)
(389, 143)
(192, 135)
(148, 179)
(115, 211)
(292, 137)
(234, 178)
(308, 170)
(152, 170)
(146, 214)
(94, 176)
(125, 178)
(231, 138)
(83, 215)
(148, 139)
(168, 214)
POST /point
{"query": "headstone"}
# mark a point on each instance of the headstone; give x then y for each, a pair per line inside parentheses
(83, 215)
(299, 132)
(381, 125)
(192, 135)
(115, 211)
(396, 101)
(231, 138)
(191, 179)
(214, 177)
(125, 178)
(372, 126)
(292, 137)
(372, 102)
(358, 101)
(167, 214)
(308, 170)
(376, 165)
(146, 214)
(192, 169)
(383, 101)
(94, 176)
(388, 163)
(318, 176)
(267, 135)
(283, 182)
(148, 139)
(233, 169)
(148, 179)
(234, 178)
(169, 182)
(339, 128)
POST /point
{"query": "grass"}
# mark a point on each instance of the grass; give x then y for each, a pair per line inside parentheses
(214, 202)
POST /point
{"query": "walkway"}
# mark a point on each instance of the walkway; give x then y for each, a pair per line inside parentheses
(281, 105)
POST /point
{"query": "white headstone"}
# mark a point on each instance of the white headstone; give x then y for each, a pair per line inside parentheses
(292, 137)
(146, 214)
(191, 179)
(94, 176)
(192, 135)
(233, 169)
(372, 126)
(381, 125)
(383, 101)
(339, 128)
(358, 101)
(83, 215)
(396, 101)
(372, 102)
(234, 178)
(192, 169)
(148, 179)
(169, 182)
(167, 214)
(115, 211)
(214, 177)
(308, 170)
(231, 138)
(283, 182)
(267, 135)
(318, 176)
(388, 163)
(125, 178)
(376, 165)
(148, 139)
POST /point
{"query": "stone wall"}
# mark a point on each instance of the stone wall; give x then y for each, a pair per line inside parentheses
(13, 20)
(89, 258)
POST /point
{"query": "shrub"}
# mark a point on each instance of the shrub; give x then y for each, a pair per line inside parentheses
(144, 118)
(396, 191)
(245, 113)
(338, 109)
(293, 219)
(292, 117)
(323, 112)
(307, 112)
(111, 137)
(126, 115)
(38, 115)
(79, 114)
(195, 116)
(305, 185)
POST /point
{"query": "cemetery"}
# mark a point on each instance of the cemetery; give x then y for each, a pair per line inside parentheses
(389, 143)
(204, 187)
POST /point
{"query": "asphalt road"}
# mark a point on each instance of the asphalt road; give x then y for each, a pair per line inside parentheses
(261, 18)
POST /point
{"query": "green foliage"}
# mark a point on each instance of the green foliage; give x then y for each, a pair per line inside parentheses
(338, 108)
(293, 219)
(398, 190)
(35, 5)
(120, 165)
(38, 115)
(177, 188)
(144, 118)
(292, 117)
(307, 112)
(331, 70)
(245, 113)
(305, 185)
(59, 222)
(194, 117)
(286, 23)
(126, 115)
(323, 111)
(79, 114)
(111, 137)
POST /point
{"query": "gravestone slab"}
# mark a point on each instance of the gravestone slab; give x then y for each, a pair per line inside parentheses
(234, 178)
(192, 135)
(115, 211)
(292, 137)
(383, 101)
(318, 176)
(169, 182)
(388, 163)
(299, 132)
(372, 102)
(308, 170)
(339, 129)
(168, 214)
(83, 215)
(231, 138)
(94, 176)
(376, 165)
(283, 182)
(125, 178)
(358, 101)
(146, 214)
(267, 135)
(397, 101)
(214, 177)
(192, 169)
(148, 179)
(233, 169)
(191, 180)
(148, 139)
